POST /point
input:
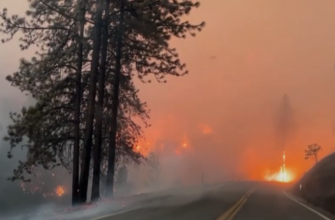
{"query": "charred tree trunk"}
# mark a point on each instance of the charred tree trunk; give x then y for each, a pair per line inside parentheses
(115, 105)
(99, 113)
(75, 172)
(85, 166)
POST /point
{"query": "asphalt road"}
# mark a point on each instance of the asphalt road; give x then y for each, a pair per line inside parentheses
(230, 201)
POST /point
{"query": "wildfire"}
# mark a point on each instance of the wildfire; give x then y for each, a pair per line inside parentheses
(142, 147)
(283, 170)
(59, 191)
(281, 176)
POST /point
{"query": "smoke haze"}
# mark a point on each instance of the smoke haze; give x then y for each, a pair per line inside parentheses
(285, 122)
(230, 109)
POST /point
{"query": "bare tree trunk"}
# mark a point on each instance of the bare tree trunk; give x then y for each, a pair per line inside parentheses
(115, 105)
(75, 172)
(99, 113)
(85, 165)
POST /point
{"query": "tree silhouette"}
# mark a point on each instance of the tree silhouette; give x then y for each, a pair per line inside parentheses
(312, 151)
(81, 80)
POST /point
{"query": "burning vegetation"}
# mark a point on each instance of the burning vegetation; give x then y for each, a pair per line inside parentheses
(42, 185)
(83, 109)
(59, 191)
(282, 175)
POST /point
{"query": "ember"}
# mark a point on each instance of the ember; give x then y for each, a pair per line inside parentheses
(59, 191)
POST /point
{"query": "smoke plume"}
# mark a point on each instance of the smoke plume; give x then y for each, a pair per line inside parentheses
(285, 123)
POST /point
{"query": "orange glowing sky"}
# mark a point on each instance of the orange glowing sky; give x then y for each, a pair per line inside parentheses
(249, 55)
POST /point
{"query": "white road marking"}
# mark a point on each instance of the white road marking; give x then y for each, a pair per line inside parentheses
(307, 207)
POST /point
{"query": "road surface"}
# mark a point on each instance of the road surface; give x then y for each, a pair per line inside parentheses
(230, 201)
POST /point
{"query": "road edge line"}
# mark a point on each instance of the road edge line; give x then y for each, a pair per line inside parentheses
(113, 214)
(307, 207)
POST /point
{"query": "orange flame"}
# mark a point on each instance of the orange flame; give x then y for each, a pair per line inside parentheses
(283, 175)
(142, 147)
(59, 191)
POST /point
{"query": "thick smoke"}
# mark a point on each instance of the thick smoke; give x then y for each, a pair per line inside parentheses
(285, 126)
(260, 56)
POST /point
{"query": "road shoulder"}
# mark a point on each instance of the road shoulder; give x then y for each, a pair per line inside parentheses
(317, 210)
